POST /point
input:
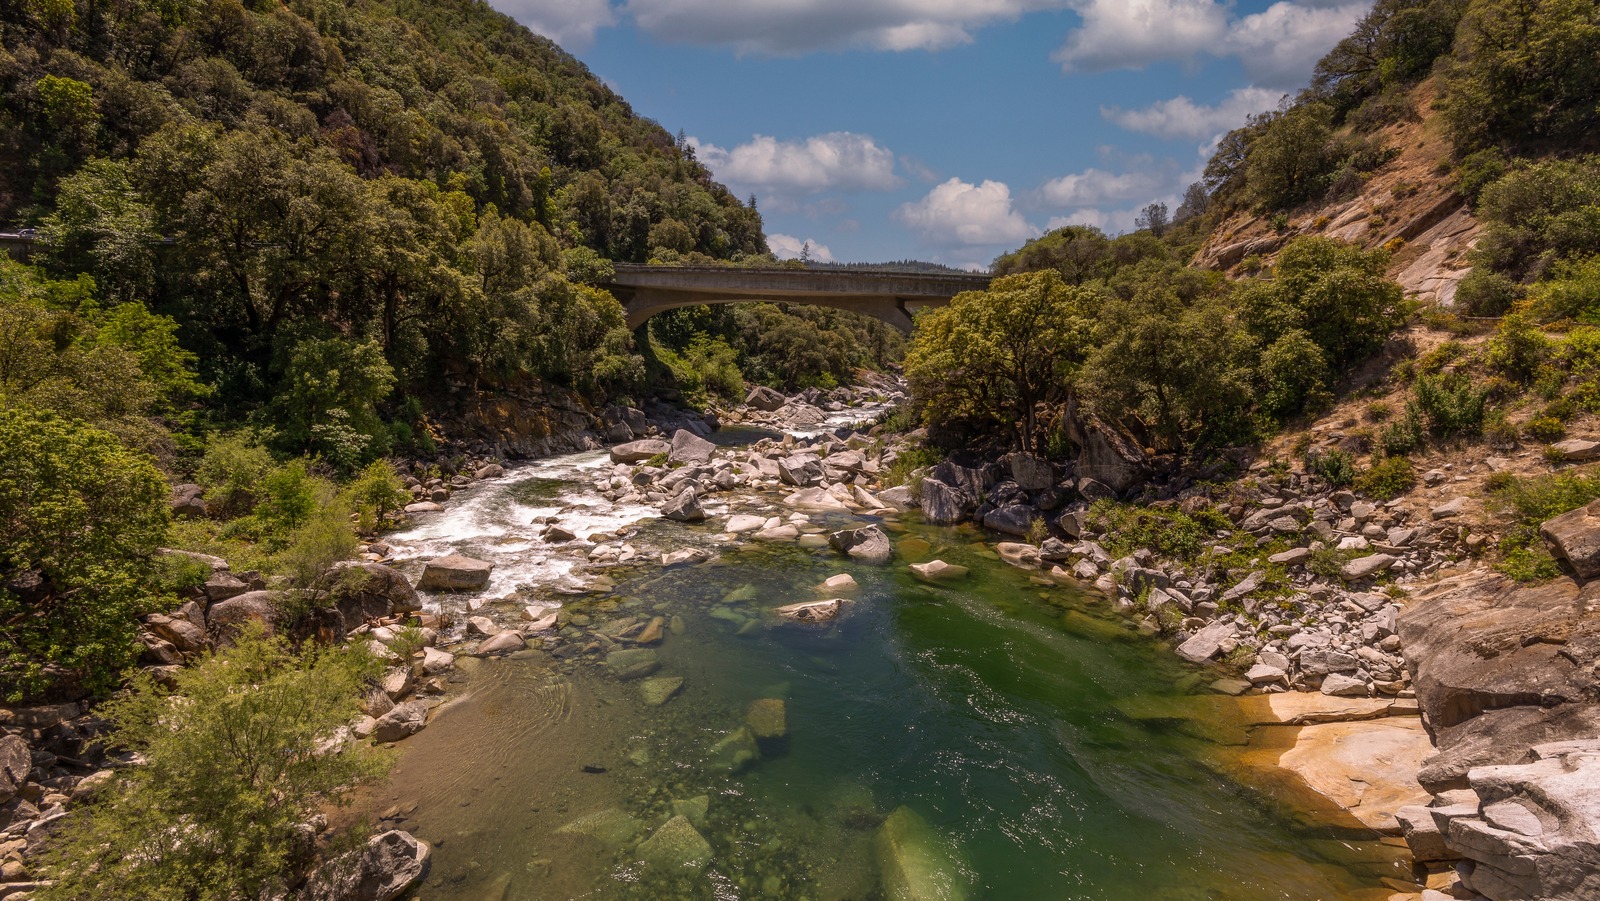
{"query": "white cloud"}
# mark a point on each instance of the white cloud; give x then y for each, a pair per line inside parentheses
(570, 23)
(1181, 117)
(791, 27)
(1096, 186)
(960, 213)
(788, 247)
(839, 161)
(1277, 47)
(1128, 34)
(1281, 44)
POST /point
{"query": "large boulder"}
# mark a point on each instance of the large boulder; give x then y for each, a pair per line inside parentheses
(640, 451)
(684, 506)
(1107, 455)
(869, 545)
(917, 863)
(224, 620)
(764, 399)
(403, 721)
(1574, 536)
(812, 611)
(687, 447)
(1011, 519)
(1206, 643)
(363, 591)
(383, 870)
(1535, 832)
(16, 761)
(1481, 642)
(1030, 472)
(455, 573)
(187, 502)
(944, 505)
(184, 635)
(800, 470)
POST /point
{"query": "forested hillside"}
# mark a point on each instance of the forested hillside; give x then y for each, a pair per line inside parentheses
(398, 191)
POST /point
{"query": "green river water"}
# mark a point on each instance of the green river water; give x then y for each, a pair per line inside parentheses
(991, 708)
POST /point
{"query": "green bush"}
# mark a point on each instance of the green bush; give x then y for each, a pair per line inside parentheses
(328, 407)
(214, 811)
(1387, 479)
(1545, 429)
(1518, 348)
(81, 517)
(1484, 292)
(1336, 467)
(1404, 435)
(232, 471)
(377, 493)
(907, 462)
(1450, 404)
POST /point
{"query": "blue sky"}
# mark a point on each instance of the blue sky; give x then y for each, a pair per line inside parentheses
(946, 130)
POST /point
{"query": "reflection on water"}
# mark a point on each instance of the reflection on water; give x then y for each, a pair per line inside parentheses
(988, 710)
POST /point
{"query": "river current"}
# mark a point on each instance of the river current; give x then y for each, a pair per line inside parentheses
(992, 714)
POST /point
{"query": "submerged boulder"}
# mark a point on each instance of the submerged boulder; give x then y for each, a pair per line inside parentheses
(676, 847)
(917, 863)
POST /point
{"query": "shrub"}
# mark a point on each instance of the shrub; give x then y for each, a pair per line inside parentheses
(376, 494)
(1518, 348)
(1531, 501)
(1451, 405)
(231, 471)
(1387, 479)
(1168, 533)
(81, 517)
(1336, 467)
(1484, 292)
(907, 462)
(1404, 435)
(1545, 429)
(229, 774)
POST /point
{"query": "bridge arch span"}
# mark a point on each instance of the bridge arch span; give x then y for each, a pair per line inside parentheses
(886, 295)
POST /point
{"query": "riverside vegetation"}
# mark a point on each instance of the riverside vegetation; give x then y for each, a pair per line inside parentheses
(307, 262)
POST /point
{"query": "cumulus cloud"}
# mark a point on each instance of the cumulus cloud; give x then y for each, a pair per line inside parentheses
(960, 213)
(1128, 34)
(1181, 117)
(570, 23)
(838, 161)
(1092, 187)
(792, 27)
(1277, 46)
(788, 247)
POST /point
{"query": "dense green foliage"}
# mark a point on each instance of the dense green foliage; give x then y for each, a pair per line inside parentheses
(81, 517)
(237, 757)
(1200, 362)
(342, 203)
(994, 358)
(712, 350)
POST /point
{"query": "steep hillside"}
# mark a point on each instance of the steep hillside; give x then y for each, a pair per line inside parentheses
(1405, 207)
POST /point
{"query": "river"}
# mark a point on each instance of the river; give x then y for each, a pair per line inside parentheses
(990, 709)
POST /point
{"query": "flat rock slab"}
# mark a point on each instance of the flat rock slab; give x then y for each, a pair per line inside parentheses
(640, 451)
(1369, 769)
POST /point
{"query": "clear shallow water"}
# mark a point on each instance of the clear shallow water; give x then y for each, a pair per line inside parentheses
(990, 708)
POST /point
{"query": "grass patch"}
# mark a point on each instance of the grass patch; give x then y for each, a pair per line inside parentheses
(1167, 533)
(906, 463)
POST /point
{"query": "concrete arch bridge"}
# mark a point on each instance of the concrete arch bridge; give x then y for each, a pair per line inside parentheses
(882, 294)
